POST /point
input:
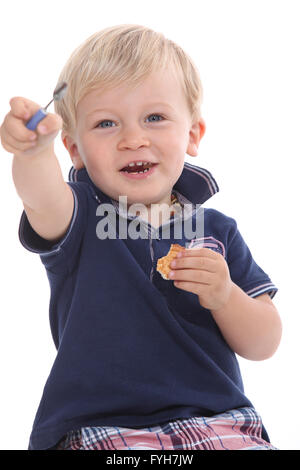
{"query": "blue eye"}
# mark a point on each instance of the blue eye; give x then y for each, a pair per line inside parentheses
(154, 117)
(105, 124)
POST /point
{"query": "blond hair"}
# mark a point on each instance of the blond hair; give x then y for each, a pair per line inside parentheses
(123, 54)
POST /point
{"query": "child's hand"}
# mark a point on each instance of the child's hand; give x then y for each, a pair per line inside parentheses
(19, 140)
(205, 273)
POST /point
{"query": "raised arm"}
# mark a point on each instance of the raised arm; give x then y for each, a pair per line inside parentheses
(47, 198)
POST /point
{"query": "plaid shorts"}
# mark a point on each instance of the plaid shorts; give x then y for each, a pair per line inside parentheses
(239, 429)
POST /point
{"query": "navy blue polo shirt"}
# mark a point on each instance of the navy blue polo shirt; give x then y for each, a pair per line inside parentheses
(132, 349)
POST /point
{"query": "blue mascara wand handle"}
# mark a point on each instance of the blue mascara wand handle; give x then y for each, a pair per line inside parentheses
(35, 119)
(42, 112)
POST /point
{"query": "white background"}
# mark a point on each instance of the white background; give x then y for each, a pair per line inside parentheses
(247, 53)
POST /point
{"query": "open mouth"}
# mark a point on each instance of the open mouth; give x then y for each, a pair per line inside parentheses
(136, 168)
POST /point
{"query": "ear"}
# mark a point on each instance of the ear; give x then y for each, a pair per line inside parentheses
(196, 133)
(72, 148)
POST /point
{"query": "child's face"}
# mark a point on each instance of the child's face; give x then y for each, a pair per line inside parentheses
(150, 123)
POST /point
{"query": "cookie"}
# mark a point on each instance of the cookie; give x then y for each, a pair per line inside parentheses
(163, 264)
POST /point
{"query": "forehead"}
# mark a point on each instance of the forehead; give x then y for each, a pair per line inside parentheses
(158, 87)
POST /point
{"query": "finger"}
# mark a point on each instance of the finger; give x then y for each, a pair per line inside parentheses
(17, 130)
(9, 141)
(192, 275)
(50, 124)
(17, 151)
(14, 150)
(192, 287)
(205, 252)
(7, 147)
(23, 108)
(193, 262)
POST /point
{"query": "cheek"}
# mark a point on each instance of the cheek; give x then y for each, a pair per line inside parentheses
(177, 141)
(178, 168)
(92, 151)
(176, 149)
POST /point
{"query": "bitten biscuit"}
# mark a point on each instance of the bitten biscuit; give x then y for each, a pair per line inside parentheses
(163, 264)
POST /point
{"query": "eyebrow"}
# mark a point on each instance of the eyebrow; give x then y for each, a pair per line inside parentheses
(98, 111)
(146, 106)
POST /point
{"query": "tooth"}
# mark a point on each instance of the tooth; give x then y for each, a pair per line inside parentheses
(139, 163)
(131, 164)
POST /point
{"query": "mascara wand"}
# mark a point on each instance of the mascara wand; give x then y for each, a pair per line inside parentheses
(42, 112)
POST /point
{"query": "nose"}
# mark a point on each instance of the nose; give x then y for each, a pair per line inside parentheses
(133, 138)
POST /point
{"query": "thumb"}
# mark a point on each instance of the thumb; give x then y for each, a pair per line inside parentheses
(51, 124)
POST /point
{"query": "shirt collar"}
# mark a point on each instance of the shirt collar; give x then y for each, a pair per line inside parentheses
(195, 185)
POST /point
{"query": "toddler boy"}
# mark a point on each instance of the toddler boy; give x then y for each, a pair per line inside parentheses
(142, 362)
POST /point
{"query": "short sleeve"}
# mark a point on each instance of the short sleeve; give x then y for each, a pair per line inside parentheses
(54, 255)
(243, 269)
